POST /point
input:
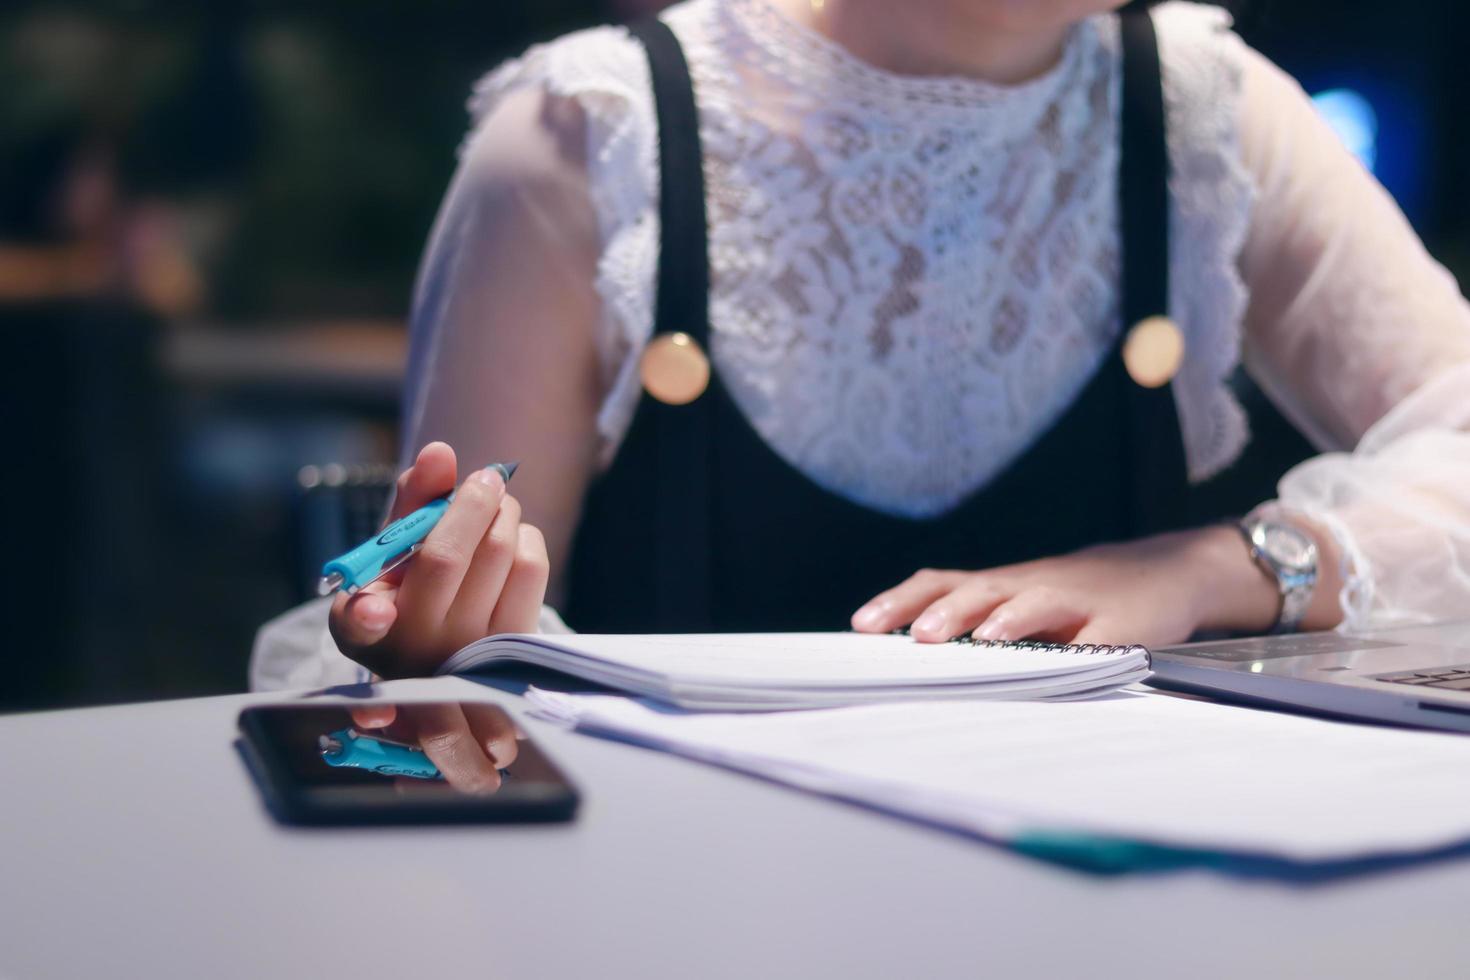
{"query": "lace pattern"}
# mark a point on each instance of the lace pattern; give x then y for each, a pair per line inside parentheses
(1210, 200)
(911, 278)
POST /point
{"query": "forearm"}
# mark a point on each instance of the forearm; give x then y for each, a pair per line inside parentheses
(507, 318)
(1363, 341)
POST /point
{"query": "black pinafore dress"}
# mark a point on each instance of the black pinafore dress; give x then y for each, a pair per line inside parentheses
(699, 526)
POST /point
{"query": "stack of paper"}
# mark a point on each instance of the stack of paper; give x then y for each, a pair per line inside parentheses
(1140, 767)
(765, 671)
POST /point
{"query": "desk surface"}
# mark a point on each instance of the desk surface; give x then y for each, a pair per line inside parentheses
(134, 844)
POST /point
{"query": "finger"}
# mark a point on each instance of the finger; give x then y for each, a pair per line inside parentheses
(489, 567)
(433, 578)
(958, 612)
(360, 620)
(494, 731)
(402, 728)
(1033, 612)
(431, 476)
(1105, 631)
(899, 605)
(519, 608)
(443, 732)
(373, 715)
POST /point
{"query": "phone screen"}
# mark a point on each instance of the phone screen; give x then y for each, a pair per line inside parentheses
(401, 762)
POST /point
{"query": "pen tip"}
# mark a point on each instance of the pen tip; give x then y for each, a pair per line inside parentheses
(506, 470)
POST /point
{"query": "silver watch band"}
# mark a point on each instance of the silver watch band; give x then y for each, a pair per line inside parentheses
(1288, 555)
(1294, 603)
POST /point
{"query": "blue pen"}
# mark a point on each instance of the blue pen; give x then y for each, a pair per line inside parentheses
(351, 749)
(393, 546)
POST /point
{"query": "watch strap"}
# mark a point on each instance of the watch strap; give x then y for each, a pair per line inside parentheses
(1295, 587)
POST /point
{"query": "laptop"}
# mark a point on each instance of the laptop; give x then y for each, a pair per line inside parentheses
(1414, 675)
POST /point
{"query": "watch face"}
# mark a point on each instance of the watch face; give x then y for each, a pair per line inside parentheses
(1287, 546)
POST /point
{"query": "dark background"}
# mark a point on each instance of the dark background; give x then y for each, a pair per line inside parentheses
(210, 217)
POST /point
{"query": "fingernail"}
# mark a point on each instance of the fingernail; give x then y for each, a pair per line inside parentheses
(989, 630)
(498, 750)
(374, 623)
(489, 477)
(867, 616)
(373, 620)
(931, 622)
(373, 614)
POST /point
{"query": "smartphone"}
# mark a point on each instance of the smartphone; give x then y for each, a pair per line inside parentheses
(401, 763)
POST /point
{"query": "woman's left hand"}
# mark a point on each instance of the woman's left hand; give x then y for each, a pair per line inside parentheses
(1155, 591)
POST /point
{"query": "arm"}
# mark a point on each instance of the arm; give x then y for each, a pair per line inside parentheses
(1364, 341)
(503, 363)
(530, 310)
(503, 366)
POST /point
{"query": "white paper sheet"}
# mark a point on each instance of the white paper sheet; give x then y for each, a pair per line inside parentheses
(1139, 766)
(765, 670)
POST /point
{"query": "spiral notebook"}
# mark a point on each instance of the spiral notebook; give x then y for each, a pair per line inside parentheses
(770, 671)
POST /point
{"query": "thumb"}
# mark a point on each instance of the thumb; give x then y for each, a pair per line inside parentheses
(361, 620)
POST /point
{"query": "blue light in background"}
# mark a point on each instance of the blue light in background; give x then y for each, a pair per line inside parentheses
(1352, 117)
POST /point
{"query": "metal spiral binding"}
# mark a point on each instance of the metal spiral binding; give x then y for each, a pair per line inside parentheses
(1086, 649)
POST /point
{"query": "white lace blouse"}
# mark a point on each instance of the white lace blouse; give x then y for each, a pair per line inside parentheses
(912, 278)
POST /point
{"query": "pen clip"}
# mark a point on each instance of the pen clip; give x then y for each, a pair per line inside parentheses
(388, 566)
(378, 736)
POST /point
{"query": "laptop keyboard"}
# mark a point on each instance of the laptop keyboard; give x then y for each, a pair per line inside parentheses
(1446, 678)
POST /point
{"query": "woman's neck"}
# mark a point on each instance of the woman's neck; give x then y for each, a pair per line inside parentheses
(938, 37)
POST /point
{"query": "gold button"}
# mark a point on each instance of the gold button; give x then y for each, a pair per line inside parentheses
(1153, 351)
(674, 369)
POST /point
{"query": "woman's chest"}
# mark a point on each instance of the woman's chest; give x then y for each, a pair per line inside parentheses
(840, 233)
(931, 294)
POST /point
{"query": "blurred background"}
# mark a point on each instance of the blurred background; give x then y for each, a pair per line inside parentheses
(210, 218)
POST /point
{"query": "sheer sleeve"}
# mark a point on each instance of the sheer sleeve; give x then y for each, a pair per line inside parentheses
(536, 283)
(531, 295)
(1363, 340)
(503, 361)
(503, 351)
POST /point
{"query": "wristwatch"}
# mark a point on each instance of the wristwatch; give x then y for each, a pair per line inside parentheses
(1289, 556)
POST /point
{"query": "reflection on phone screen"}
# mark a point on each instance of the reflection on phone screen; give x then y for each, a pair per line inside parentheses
(401, 762)
(413, 748)
(376, 753)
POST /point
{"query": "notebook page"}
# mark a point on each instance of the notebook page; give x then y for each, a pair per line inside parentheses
(786, 660)
(1140, 766)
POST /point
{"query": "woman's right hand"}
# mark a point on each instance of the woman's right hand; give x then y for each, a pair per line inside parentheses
(480, 571)
(469, 743)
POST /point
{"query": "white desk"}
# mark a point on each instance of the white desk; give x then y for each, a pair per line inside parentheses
(134, 845)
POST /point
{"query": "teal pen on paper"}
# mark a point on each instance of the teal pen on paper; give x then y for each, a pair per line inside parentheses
(393, 546)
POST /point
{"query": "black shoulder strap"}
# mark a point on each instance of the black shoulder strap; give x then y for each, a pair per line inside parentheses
(681, 483)
(1143, 173)
(1156, 451)
(683, 264)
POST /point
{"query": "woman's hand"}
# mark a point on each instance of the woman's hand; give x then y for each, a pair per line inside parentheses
(1155, 591)
(469, 743)
(480, 571)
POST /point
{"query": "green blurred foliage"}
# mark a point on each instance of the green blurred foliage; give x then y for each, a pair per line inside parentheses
(315, 138)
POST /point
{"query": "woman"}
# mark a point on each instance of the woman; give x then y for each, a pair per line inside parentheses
(914, 289)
